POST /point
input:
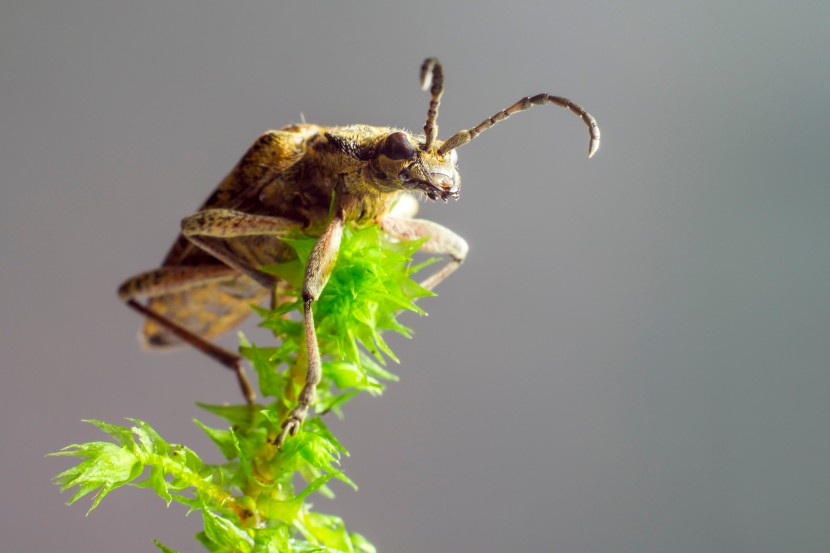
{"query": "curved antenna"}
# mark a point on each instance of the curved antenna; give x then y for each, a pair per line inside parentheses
(462, 137)
(432, 74)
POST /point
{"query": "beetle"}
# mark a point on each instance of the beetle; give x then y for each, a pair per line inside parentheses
(315, 180)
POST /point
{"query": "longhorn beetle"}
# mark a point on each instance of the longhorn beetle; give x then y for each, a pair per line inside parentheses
(310, 179)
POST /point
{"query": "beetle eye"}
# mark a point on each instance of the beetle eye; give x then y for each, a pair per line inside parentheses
(397, 147)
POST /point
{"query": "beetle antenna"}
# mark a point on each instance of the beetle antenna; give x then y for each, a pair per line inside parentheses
(462, 137)
(432, 77)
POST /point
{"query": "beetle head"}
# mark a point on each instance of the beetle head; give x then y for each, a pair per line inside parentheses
(397, 159)
(400, 161)
(431, 167)
(393, 160)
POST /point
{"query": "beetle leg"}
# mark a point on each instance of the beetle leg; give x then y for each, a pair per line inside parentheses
(317, 271)
(214, 230)
(221, 233)
(171, 280)
(441, 241)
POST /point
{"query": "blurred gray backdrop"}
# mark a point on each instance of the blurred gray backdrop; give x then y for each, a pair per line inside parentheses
(634, 357)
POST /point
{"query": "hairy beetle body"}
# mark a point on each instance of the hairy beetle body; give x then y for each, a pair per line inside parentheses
(311, 179)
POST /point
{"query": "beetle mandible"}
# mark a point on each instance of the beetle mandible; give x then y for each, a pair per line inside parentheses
(311, 179)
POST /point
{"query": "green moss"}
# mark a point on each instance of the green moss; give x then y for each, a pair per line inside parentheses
(249, 503)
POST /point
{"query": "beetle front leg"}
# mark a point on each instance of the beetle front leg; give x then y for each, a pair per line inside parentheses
(441, 241)
(317, 271)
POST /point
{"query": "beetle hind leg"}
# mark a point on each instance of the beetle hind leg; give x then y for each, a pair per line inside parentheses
(164, 329)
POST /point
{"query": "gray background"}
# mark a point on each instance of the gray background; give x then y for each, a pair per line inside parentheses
(634, 357)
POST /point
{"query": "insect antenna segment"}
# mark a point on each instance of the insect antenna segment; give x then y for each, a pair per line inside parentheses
(432, 77)
(462, 137)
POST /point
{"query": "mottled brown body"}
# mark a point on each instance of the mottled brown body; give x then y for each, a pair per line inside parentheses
(315, 180)
(286, 173)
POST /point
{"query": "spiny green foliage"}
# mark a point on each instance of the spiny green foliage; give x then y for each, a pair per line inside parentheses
(249, 503)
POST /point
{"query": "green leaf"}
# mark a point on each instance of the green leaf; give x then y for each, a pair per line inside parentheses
(224, 533)
(297, 546)
(273, 539)
(222, 438)
(292, 272)
(284, 510)
(350, 375)
(186, 457)
(238, 415)
(322, 431)
(333, 402)
(318, 483)
(374, 369)
(123, 435)
(288, 510)
(361, 544)
(270, 382)
(106, 466)
(149, 438)
(244, 458)
(163, 547)
(328, 530)
(209, 545)
(159, 484)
